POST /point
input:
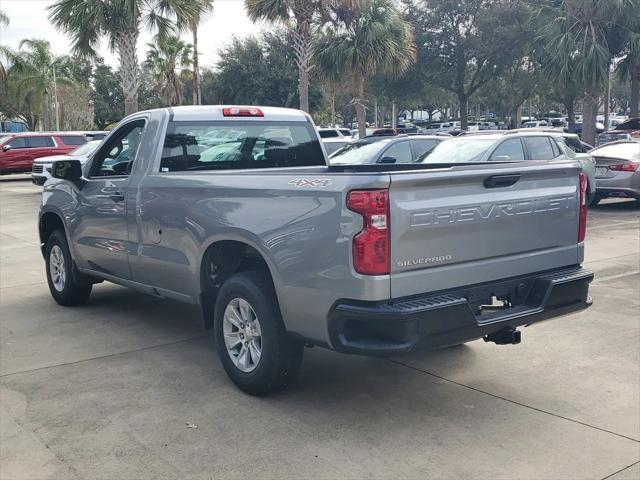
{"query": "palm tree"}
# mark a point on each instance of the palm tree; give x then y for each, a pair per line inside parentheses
(38, 73)
(298, 17)
(191, 19)
(165, 56)
(629, 67)
(377, 41)
(582, 37)
(87, 21)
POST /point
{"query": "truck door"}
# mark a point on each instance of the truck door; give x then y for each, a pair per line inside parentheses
(100, 235)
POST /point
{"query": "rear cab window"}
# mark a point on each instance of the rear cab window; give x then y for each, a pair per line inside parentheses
(227, 145)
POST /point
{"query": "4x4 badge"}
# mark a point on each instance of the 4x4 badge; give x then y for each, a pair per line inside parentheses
(310, 182)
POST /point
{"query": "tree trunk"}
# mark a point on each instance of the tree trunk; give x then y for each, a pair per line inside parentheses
(129, 80)
(302, 49)
(195, 79)
(516, 117)
(589, 115)
(635, 92)
(571, 115)
(607, 100)
(303, 89)
(45, 111)
(358, 84)
(463, 101)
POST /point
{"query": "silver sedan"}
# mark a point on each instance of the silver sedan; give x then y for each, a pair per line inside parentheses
(618, 169)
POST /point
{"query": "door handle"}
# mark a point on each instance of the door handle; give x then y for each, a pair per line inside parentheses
(117, 197)
(499, 181)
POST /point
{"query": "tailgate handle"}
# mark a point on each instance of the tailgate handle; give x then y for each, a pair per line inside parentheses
(498, 181)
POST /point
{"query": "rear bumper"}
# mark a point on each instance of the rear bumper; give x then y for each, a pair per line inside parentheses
(448, 318)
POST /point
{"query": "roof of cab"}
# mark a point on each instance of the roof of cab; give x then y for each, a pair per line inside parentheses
(214, 112)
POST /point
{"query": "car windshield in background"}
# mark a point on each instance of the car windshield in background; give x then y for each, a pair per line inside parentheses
(460, 150)
(238, 145)
(625, 151)
(86, 149)
(358, 153)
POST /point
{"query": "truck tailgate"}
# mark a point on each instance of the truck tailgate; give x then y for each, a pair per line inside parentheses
(471, 224)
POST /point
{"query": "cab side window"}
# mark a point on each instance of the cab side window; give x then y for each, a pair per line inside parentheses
(511, 149)
(116, 157)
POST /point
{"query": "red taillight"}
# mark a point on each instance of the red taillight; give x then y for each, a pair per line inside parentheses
(242, 112)
(624, 167)
(371, 247)
(582, 226)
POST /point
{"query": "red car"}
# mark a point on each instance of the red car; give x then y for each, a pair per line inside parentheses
(19, 150)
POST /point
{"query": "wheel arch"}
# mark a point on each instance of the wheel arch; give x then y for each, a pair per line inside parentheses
(49, 222)
(221, 259)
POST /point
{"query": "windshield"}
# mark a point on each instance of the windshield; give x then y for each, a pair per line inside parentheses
(357, 153)
(86, 149)
(460, 150)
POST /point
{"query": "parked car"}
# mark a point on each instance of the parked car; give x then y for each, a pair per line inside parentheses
(513, 145)
(629, 129)
(406, 127)
(535, 124)
(281, 251)
(41, 170)
(12, 126)
(330, 132)
(578, 127)
(18, 151)
(334, 144)
(398, 149)
(617, 169)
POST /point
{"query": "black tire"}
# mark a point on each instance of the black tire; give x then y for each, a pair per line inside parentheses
(75, 288)
(593, 199)
(281, 355)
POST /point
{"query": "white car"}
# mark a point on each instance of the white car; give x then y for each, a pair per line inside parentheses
(335, 143)
(41, 170)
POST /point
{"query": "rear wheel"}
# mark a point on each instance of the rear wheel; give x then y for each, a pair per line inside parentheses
(254, 348)
(67, 287)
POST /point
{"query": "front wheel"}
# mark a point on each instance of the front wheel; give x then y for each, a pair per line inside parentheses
(254, 348)
(66, 286)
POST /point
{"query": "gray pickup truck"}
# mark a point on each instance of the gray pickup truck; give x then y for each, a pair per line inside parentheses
(236, 210)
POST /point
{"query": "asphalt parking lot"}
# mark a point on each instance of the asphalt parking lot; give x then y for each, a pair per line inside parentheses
(115, 389)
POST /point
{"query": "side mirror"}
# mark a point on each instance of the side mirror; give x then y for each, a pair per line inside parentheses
(501, 158)
(6, 147)
(387, 160)
(67, 170)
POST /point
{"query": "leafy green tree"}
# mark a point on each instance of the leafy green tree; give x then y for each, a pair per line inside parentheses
(465, 44)
(120, 21)
(165, 58)
(376, 41)
(256, 71)
(108, 100)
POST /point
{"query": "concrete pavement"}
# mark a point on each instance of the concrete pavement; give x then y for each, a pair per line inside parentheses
(106, 390)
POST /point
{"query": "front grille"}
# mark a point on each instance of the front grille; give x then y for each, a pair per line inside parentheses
(37, 168)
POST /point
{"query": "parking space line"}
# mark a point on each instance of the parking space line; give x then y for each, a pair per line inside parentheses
(512, 401)
(621, 470)
(609, 225)
(104, 356)
(613, 277)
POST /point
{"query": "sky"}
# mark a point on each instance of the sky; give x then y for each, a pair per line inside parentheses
(28, 19)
